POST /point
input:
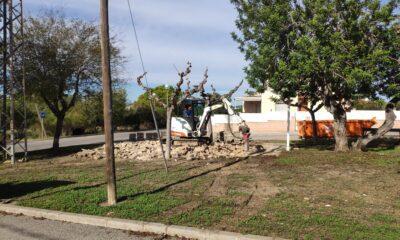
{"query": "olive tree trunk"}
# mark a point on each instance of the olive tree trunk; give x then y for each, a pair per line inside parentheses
(314, 125)
(390, 117)
(339, 129)
(58, 131)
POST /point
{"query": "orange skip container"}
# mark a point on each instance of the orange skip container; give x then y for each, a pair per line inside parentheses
(355, 128)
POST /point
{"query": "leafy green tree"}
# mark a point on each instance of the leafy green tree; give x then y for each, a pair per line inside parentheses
(141, 107)
(162, 92)
(369, 105)
(88, 111)
(62, 62)
(333, 50)
(269, 46)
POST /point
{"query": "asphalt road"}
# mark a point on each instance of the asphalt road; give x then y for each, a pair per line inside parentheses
(34, 145)
(27, 228)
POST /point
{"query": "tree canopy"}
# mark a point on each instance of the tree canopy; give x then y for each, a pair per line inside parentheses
(63, 62)
(334, 50)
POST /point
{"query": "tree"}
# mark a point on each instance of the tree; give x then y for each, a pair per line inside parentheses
(62, 62)
(338, 49)
(269, 46)
(176, 98)
(142, 109)
(88, 110)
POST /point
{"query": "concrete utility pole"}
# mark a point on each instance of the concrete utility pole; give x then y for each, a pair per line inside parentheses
(107, 103)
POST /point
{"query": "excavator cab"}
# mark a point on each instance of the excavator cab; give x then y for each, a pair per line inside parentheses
(193, 119)
(187, 118)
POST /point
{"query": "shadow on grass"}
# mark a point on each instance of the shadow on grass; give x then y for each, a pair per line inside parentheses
(384, 144)
(14, 190)
(319, 144)
(160, 189)
(99, 184)
(165, 187)
(61, 152)
(388, 143)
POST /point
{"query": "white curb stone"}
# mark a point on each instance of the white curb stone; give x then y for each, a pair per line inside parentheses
(157, 228)
(188, 232)
(130, 225)
(123, 224)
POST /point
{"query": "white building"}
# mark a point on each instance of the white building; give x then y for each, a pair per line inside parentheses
(263, 103)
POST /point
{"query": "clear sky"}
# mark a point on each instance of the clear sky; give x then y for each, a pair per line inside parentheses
(170, 32)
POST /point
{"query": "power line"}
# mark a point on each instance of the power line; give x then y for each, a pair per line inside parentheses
(136, 38)
(147, 84)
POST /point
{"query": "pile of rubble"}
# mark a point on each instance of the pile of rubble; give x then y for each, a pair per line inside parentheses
(150, 150)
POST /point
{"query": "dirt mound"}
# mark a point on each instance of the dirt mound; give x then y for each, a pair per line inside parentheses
(150, 150)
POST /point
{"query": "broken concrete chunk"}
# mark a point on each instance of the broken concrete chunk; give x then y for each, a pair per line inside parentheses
(150, 151)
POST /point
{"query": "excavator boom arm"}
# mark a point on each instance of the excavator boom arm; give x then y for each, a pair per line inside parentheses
(206, 116)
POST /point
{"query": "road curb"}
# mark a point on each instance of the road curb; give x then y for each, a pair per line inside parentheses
(130, 225)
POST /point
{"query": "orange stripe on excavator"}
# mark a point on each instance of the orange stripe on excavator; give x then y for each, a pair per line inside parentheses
(178, 134)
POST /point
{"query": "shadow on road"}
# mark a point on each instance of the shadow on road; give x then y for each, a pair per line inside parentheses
(26, 233)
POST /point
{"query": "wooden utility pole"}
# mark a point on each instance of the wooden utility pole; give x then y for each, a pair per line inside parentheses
(107, 103)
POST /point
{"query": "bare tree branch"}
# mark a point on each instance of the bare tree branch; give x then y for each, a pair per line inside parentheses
(149, 90)
(394, 59)
(52, 107)
(76, 90)
(318, 107)
(178, 88)
(196, 89)
(214, 91)
(200, 88)
(182, 76)
(187, 85)
(229, 95)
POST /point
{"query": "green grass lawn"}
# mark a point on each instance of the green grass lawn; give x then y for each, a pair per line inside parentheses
(304, 194)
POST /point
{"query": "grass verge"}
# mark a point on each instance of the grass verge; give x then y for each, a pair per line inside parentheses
(306, 194)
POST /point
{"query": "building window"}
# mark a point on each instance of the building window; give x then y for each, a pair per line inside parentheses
(252, 107)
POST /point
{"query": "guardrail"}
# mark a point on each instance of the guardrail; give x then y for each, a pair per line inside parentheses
(146, 135)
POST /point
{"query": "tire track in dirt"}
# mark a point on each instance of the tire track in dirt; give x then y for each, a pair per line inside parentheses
(254, 192)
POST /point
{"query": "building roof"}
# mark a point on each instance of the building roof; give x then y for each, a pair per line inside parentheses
(249, 98)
